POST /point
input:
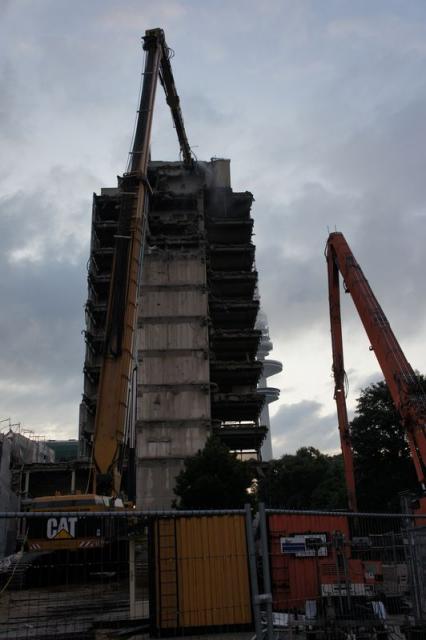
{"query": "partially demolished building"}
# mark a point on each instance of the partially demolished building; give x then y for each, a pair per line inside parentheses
(18, 451)
(196, 345)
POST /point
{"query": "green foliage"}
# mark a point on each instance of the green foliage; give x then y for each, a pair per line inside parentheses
(383, 466)
(307, 480)
(213, 479)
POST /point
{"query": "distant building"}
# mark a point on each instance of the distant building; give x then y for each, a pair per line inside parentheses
(271, 394)
(16, 450)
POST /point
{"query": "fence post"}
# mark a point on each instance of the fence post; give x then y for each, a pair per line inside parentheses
(267, 596)
(413, 573)
(253, 573)
(132, 578)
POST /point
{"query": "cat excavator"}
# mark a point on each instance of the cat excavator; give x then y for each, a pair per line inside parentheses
(404, 386)
(112, 406)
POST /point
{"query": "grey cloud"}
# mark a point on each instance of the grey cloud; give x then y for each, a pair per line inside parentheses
(373, 191)
(386, 157)
(384, 164)
(301, 425)
(325, 131)
(365, 381)
(42, 310)
(386, 31)
(290, 256)
(50, 219)
(42, 346)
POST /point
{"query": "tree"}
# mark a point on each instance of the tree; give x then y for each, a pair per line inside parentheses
(383, 466)
(213, 479)
(307, 480)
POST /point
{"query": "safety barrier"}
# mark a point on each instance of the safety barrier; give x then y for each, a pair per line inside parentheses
(68, 577)
(273, 573)
(363, 573)
(94, 575)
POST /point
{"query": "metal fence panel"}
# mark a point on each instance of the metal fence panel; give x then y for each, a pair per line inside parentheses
(416, 556)
(98, 575)
(69, 576)
(125, 574)
(365, 573)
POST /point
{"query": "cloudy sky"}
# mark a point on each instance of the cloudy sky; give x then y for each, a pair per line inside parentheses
(319, 104)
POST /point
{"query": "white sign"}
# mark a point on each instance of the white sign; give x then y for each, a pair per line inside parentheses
(305, 546)
(355, 589)
(63, 527)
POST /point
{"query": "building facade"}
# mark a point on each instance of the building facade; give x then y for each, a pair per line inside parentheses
(196, 369)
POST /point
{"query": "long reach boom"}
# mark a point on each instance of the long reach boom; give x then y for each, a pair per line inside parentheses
(402, 381)
(116, 369)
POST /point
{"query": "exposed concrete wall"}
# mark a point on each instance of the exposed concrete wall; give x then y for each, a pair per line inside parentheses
(161, 440)
(27, 450)
(183, 333)
(156, 478)
(172, 302)
(189, 271)
(173, 405)
(175, 368)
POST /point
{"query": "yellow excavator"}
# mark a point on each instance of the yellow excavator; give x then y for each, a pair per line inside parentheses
(58, 530)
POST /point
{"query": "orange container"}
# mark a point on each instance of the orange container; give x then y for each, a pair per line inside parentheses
(310, 558)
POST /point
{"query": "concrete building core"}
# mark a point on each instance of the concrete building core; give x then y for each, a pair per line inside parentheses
(196, 341)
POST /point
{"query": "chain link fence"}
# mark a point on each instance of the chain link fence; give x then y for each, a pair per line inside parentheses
(274, 574)
(344, 573)
(70, 575)
(125, 574)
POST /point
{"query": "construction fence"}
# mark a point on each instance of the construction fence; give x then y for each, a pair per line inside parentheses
(344, 571)
(274, 573)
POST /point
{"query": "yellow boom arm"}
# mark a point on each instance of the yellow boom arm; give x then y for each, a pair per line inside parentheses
(121, 317)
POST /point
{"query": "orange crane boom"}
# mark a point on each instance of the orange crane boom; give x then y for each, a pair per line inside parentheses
(340, 377)
(402, 381)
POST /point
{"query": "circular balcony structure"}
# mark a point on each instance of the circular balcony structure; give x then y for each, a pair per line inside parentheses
(271, 367)
(271, 394)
